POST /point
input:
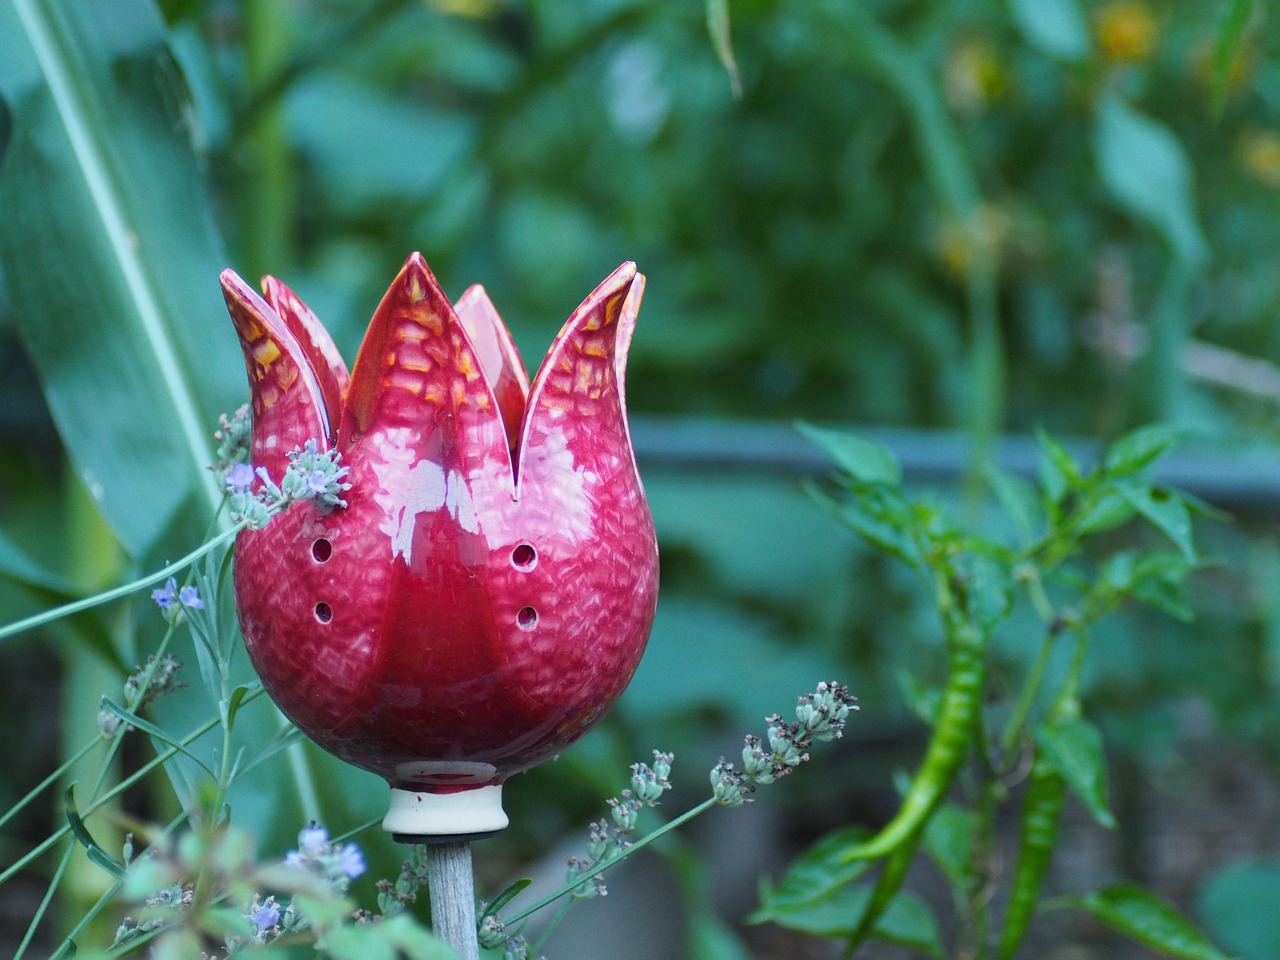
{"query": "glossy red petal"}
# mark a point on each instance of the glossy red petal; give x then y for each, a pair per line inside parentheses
(288, 403)
(626, 328)
(582, 506)
(431, 483)
(330, 370)
(499, 357)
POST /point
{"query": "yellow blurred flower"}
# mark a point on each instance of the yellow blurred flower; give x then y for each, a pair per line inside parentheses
(1126, 31)
(984, 234)
(1259, 153)
(973, 76)
(1204, 66)
(480, 9)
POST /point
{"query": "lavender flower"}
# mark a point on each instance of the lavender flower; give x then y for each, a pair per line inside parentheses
(269, 485)
(145, 684)
(312, 840)
(339, 865)
(234, 436)
(315, 475)
(171, 600)
(164, 596)
(316, 482)
(240, 478)
(351, 861)
(264, 916)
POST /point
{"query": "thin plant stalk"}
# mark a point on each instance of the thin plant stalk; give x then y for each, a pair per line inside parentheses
(51, 779)
(604, 865)
(67, 609)
(45, 901)
(159, 760)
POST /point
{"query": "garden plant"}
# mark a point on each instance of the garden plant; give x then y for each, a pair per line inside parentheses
(951, 412)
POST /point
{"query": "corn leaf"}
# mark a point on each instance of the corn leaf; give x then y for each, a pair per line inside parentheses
(109, 256)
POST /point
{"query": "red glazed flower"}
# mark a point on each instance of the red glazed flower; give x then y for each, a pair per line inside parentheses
(487, 592)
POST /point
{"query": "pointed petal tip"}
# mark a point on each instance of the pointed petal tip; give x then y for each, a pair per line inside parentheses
(233, 284)
(243, 302)
(416, 281)
(416, 265)
(476, 293)
(636, 293)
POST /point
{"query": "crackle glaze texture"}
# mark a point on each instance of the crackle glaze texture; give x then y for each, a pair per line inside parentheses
(487, 592)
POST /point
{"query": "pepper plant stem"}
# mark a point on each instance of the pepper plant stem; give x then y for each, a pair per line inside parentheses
(452, 886)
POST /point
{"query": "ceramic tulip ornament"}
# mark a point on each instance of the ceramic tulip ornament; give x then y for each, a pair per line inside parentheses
(486, 592)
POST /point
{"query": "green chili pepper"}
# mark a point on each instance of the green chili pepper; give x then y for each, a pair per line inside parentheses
(1041, 813)
(953, 736)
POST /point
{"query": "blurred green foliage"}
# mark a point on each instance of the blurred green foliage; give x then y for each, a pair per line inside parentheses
(972, 215)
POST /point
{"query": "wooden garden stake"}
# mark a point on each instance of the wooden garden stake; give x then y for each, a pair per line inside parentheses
(451, 884)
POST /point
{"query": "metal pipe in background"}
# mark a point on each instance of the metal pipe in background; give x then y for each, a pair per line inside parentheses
(1242, 479)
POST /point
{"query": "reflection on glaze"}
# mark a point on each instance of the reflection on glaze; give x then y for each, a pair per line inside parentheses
(487, 593)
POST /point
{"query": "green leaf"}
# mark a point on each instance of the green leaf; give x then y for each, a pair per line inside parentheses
(1155, 577)
(879, 515)
(908, 920)
(357, 941)
(1074, 749)
(923, 699)
(1142, 916)
(1225, 51)
(150, 728)
(813, 875)
(867, 461)
(85, 839)
(1054, 27)
(948, 839)
(205, 647)
(413, 940)
(1059, 472)
(1111, 510)
(509, 893)
(1158, 579)
(237, 695)
(109, 257)
(321, 905)
(1240, 904)
(1137, 450)
(369, 150)
(1146, 169)
(1166, 511)
(722, 41)
(1018, 500)
(178, 943)
(18, 566)
(988, 588)
(710, 938)
(51, 590)
(1203, 509)
(283, 739)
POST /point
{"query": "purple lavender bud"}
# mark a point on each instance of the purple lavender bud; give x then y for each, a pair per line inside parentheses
(317, 482)
(240, 478)
(351, 861)
(265, 917)
(164, 596)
